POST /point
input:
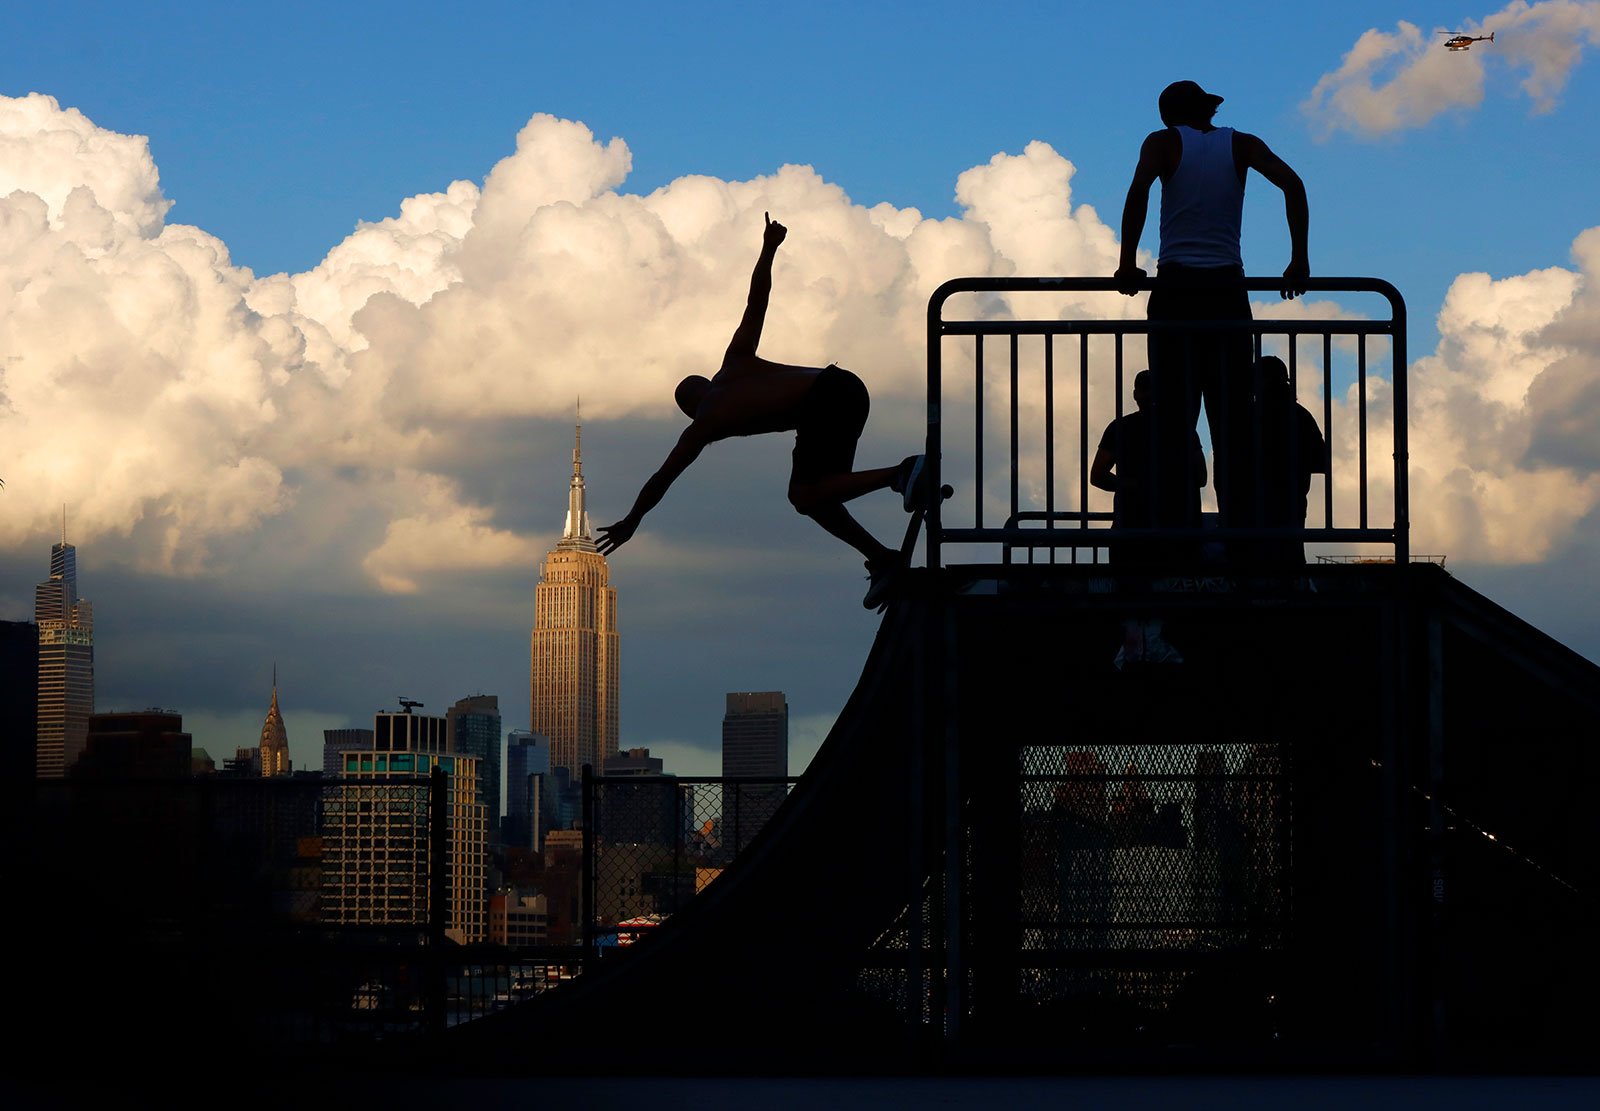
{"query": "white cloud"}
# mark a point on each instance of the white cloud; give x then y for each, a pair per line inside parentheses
(1503, 466)
(1393, 81)
(442, 533)
(50, 151)
(134, 377)
(172, 399)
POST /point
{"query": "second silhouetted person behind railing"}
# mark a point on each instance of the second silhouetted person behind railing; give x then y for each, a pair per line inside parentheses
(1125, 464)
(1288, 448)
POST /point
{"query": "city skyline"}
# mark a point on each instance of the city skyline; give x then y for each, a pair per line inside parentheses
(323, 434)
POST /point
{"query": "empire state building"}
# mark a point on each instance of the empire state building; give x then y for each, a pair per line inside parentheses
(574, 651)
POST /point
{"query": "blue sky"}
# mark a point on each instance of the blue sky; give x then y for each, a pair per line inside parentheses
(279, 129)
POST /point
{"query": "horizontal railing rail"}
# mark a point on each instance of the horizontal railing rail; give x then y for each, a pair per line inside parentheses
(1038, 491)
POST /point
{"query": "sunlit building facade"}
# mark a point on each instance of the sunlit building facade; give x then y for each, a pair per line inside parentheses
(66, 664)
(377, 851)
(574, 651)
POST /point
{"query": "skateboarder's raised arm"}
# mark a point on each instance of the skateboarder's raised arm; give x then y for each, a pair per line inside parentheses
(748, 334)
(684, 452)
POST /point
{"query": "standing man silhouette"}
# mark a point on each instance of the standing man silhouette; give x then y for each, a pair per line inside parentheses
(1200, 277)
(825, 407)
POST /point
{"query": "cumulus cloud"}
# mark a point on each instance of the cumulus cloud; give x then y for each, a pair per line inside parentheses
(173, 399)
(441, 532)
(1393, 81)
(133, 376)
(1503, 417)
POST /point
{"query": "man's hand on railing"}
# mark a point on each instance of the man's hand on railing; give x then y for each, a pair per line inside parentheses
(1128, 279)
(1295, 276)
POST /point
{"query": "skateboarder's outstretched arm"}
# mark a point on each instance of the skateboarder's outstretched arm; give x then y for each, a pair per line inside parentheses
(684, 452)
(748, 334)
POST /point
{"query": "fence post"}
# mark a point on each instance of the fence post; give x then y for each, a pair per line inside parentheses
(677, 848)
(587, 880)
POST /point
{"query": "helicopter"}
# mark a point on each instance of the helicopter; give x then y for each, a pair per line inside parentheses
(1463, 41)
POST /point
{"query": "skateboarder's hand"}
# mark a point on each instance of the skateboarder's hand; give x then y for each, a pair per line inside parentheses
(615, 536)
(1128, 279)
(774, 233)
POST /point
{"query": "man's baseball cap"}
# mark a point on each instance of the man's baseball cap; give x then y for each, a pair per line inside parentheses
(1182, 97)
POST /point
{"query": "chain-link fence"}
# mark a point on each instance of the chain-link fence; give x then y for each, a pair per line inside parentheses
(1142, 864)
(1122, 887)
(652, 843)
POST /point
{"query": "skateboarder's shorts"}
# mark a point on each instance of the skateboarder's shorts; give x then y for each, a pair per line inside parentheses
(831, 418)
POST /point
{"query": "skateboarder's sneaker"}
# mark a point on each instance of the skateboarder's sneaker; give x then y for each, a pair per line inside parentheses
(882, 576)
(911, 482)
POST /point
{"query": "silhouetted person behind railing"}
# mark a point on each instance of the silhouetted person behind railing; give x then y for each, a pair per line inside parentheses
(1124, 463)
(825, 407)
(1289, 450)
(1202, 169)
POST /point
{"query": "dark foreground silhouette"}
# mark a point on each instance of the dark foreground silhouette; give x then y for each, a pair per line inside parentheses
(1287, 450)
(1125, 463)
(825, 407)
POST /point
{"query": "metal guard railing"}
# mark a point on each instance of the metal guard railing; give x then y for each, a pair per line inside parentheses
(1093, 529)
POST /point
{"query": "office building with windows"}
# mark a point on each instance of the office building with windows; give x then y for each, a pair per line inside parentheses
(377, 820)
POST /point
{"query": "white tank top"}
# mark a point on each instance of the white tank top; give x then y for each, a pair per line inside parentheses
(1201, 203)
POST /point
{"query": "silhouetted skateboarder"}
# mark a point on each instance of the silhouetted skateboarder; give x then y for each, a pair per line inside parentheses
(1202, 169)
(825, 407)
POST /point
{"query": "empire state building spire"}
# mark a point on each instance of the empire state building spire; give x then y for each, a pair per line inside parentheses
(576, 535)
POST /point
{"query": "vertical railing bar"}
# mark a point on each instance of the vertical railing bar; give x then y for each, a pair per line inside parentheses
(1258, 481)
(1293, 338)
(1402, 434)
(1361, 418)
(1015, 432)
(1327, 430)
(977, 453)
(934, 521)
(1116, 408)
(1050, 436)
(1083, 442)
(1084, 388)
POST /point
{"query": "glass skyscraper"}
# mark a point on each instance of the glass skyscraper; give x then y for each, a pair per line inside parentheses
(473, 729)
(66, 663)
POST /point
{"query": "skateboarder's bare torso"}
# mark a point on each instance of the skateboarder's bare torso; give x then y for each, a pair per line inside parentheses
(750, 395)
